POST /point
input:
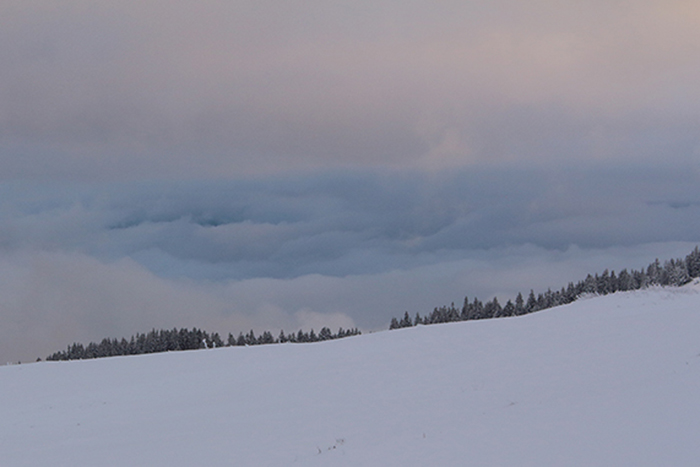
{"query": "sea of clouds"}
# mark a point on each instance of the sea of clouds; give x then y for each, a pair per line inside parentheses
(81, 262)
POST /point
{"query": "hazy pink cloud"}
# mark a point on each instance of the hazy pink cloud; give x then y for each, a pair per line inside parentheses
(174, 89)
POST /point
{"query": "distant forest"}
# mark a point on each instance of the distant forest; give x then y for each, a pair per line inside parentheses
(672, 273)
(188, 339)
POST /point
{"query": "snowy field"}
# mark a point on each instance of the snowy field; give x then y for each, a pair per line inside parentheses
(605, 381)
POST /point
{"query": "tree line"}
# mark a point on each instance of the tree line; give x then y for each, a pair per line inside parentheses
(188, 339)
(674, 272)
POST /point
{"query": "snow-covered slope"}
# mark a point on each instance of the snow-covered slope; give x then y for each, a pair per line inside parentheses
(604, 381)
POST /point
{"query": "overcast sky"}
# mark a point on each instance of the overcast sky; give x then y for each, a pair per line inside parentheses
(281, 164)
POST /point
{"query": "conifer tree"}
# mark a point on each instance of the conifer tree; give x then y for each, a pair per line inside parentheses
(519, 305)
(325, 334)
(531, 304)
(692, 263)
(508, 309)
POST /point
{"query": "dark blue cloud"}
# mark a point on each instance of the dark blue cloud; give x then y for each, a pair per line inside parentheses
(352, 224)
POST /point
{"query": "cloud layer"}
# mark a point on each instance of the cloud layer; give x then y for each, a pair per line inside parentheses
(266, 164)
(81, 262)
(152, 89)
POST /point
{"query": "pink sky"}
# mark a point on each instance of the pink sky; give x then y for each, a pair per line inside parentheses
(151, 89)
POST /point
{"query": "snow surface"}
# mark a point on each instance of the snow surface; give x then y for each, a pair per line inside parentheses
(604, 381)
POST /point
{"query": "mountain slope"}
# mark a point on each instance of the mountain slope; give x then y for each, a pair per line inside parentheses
(611, 380)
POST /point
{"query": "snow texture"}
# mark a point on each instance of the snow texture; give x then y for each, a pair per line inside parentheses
(604, 381)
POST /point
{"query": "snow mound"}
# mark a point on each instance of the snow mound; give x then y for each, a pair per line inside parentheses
(609, 380)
